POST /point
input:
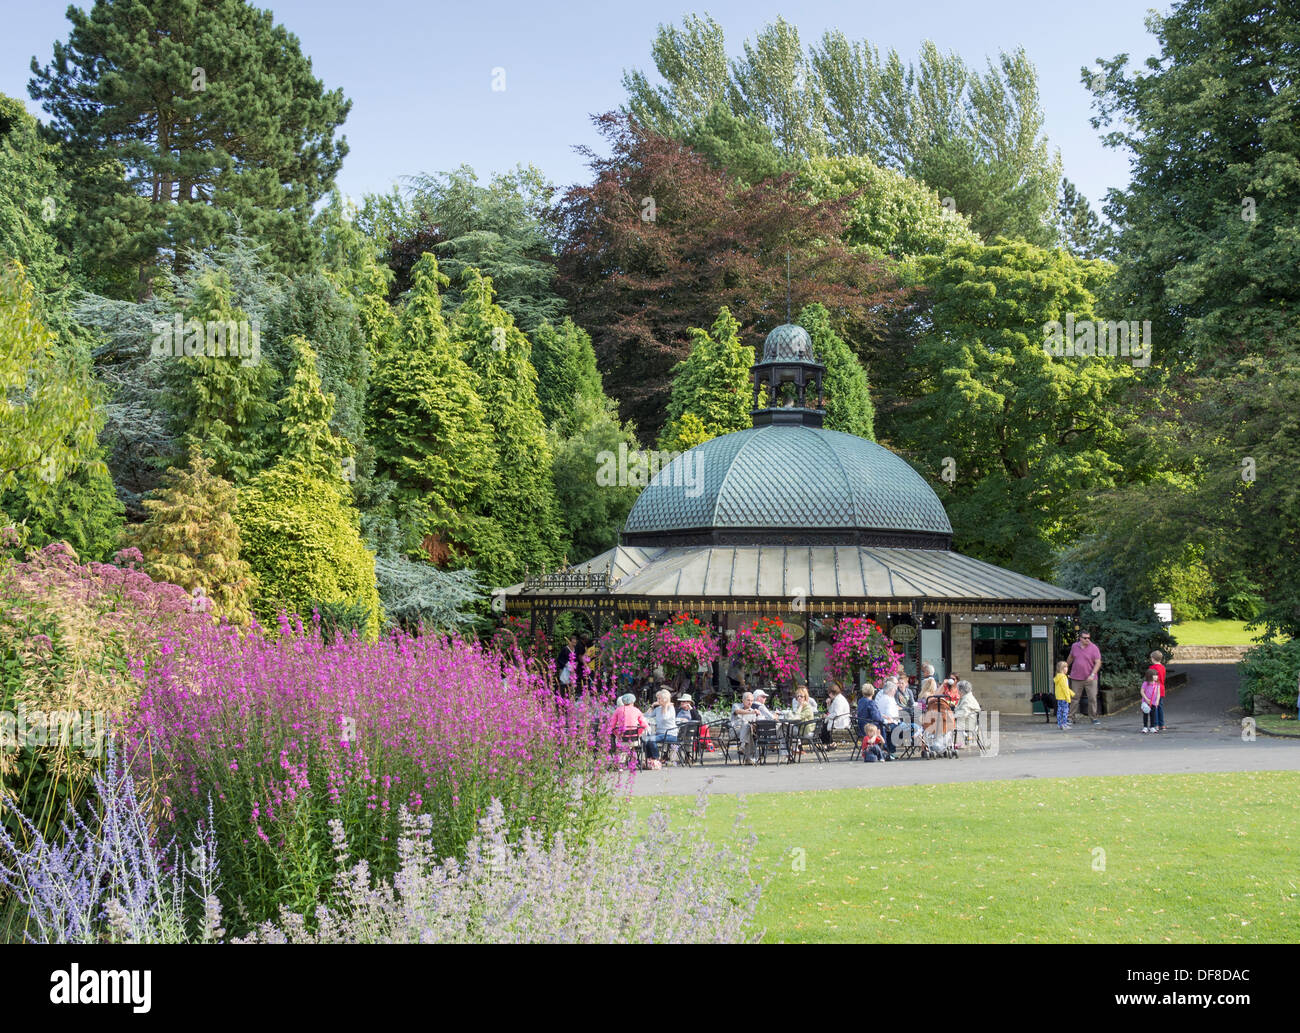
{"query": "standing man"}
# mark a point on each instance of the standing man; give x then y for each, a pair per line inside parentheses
(1085, 665)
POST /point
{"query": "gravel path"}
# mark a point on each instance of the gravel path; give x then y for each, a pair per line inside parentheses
(1203, 733)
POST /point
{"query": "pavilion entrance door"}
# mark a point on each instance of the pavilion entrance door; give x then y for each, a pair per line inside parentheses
(932, 652)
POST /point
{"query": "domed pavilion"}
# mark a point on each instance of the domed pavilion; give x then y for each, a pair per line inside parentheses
(793, 520)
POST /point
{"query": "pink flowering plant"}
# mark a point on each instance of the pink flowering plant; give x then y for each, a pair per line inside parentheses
(684, 643)
(287, 734)
(631, 649)
(766, 650)
(860, 644)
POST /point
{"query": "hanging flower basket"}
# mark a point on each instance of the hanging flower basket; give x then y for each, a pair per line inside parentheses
(685, 643)
(860, 644)
(766, 650)
(630, 650)
(516, 635)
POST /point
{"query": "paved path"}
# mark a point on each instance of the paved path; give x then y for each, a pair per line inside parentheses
(1203, 733)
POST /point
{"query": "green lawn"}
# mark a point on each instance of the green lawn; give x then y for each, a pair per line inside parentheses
(1214, 632)
(1181, 858)
(1284, 723)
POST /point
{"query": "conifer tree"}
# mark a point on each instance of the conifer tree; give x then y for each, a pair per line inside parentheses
(712, 384)
(566, 367)
(426, 421)
(190, 538)
(219, 403)
(848, 397)
(305, 413)
(523, 502)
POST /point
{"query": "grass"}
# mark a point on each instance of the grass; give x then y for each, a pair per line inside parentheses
(1214, 632)
(1149, 859)
(1284, 723)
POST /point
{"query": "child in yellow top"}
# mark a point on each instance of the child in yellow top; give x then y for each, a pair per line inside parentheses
(1063, 695)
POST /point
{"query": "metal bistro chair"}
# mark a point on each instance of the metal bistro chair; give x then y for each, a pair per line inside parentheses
(628, 742)
(688, 742)
(723, 737)
(814, 741)
(766, 737)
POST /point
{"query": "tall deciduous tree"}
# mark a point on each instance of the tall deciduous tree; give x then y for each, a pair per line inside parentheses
(49, 423)
(661, 240)
(1015, 438)
(179, 121)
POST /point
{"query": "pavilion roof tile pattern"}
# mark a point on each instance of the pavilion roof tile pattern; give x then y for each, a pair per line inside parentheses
(817, 572)
(788, 477)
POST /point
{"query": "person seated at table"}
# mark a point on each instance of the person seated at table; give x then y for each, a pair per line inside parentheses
(966, 713)
(760, 706)
(873, 746)
(889, 717)
(868, 712)
(626, 719)
(743, 716)
(686, 709)
(664, 715)
(837, 714)
(905, 697)
(804, 712)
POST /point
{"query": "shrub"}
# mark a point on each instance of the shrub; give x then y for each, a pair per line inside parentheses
(69, 635)
(1270, 670)
(107, 878)
(303, 541)
(290, 733)
(623, 886)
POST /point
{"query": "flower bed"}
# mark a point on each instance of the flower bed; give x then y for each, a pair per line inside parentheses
(287, 734)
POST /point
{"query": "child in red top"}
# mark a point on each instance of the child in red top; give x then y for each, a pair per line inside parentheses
(873, 745)
(1159, 668)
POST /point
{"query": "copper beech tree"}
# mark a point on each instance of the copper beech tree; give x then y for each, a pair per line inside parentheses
(661, 240)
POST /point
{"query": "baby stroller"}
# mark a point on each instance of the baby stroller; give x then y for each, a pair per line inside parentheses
(939, 728)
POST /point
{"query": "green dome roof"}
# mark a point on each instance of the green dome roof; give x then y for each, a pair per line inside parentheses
(789, 484)
(788, 342)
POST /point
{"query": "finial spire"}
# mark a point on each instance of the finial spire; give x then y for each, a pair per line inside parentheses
(787, 286)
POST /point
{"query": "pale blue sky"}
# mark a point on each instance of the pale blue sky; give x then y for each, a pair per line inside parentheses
(420, 75)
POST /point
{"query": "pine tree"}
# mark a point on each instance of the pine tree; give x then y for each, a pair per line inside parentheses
(848, 397)
(426, 421)
(712, 383)
(190, 538)
(523, 503)
(179, 120)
